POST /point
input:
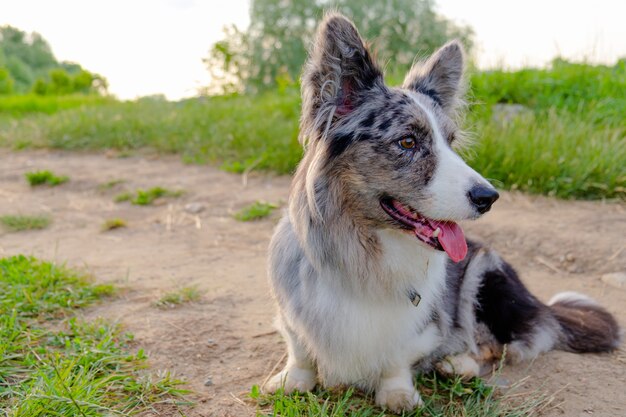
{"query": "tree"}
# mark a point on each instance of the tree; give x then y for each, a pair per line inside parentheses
(31, 66)
(6, 82)
(274, 46)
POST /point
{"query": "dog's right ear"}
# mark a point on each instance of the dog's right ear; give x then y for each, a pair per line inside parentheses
(338, 69)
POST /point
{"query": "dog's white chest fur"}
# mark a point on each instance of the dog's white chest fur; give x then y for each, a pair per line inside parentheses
(366, 333)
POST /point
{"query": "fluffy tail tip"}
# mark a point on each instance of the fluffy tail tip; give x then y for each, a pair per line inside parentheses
(572, 297)
(585, 325)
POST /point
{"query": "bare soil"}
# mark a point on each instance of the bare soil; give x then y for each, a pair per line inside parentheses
(227, 336)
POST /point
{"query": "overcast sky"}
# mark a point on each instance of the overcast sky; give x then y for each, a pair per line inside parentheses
(156, 46)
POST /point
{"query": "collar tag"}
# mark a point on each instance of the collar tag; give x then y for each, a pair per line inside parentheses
(415, 297)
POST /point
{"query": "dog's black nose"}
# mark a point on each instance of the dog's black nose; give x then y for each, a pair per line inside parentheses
(482, 197)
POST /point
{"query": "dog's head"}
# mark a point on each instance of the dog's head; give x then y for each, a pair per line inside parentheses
(390, 149)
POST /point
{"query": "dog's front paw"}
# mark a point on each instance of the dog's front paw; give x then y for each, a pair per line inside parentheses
(397, 399)
(292, 379)
(462, 365)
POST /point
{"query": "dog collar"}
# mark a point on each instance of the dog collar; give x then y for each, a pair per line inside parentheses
(414, 297)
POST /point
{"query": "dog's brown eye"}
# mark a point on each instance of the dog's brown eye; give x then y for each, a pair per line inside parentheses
(407, 143)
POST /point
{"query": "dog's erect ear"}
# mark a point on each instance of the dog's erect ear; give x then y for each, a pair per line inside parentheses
(440, 76)
(339, 67)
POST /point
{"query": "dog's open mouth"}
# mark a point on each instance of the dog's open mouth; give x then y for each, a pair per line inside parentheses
(441, 235)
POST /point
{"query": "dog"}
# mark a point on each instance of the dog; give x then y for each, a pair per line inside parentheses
(373, 277)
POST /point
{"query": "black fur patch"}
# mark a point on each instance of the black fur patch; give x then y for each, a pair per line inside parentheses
(428, 92)
(369, 120)
(505, 305)
(338, 144)
(385, 124)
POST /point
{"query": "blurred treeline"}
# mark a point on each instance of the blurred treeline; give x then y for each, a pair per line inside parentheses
(271, 51)
(27, 65)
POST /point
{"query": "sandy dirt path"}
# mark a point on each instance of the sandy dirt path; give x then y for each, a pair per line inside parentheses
(228, 336)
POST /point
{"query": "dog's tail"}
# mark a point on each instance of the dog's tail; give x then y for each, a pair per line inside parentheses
(585, 326)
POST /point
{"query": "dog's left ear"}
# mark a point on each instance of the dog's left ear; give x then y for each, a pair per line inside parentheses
(440, 77)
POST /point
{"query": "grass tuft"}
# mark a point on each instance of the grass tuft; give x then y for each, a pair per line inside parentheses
(19, 223)
(180, 296)
(125, 196)
(255, 211)
(68, 367)
(147, 197)
(112, 224)
(441, 396)
(35, 288)
(45, 178)
(110, 184)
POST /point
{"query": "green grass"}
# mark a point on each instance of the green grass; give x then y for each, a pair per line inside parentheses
(121, 197)
(556, 153)
(570, 144)
(22, 105)
(45, 177)
(147, 197)
(52, 364)
(19, 222)
(34, 288)
(233, 131)
(180, 296)
(111, 184)
(442, 398)
(112, 224)
(255, 211)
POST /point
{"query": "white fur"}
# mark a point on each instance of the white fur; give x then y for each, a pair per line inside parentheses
(377, 332)
(300, 372)
(397, 392)
(571, 296)
(463, 365)
(543, 340)
(452, 179)
(292, 379)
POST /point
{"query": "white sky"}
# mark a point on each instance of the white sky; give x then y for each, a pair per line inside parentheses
(156, 46)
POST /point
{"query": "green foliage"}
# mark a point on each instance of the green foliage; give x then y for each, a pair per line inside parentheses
(6, 82)
(62, 83)
(19, 223)
(45, 177)
(596, 93)
(20, 72)
(23, 105)
(568, 142)
(62, 368)
(180, 296)
(147, 197)
(125, 196)
(255, 211)
(109, 185)
(442, 397)
(238, 131)
(34, 288)
(112, 224)
(559, 153)
(274, 47)
(31, 67)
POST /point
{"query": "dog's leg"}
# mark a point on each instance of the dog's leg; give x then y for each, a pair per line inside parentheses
(299, 373)
(396, 391)
(463, 365)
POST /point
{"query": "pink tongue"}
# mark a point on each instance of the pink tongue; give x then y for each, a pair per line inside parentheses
(452, 240)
